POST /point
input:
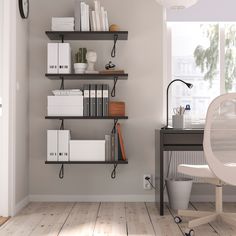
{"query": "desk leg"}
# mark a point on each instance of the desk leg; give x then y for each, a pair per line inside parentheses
(161, 178)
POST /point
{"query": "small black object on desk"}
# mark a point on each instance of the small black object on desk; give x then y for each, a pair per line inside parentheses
(167, 100)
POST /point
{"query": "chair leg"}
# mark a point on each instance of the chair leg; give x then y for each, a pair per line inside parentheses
(203, 220)
(190, 213)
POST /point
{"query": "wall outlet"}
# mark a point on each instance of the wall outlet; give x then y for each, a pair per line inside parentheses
(146, 184)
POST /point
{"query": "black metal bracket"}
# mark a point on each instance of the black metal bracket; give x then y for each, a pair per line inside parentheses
(113, 173)
(62, 87)
(62, 127)
(113, 51)
(62, 38)
(114, 126)
(113, 91)
(61, 172)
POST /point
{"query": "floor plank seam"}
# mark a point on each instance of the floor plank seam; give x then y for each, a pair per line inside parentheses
(150, 217)
(208, 223)
(67, 218)
(96, 217)
(173, 216)
(126, 221)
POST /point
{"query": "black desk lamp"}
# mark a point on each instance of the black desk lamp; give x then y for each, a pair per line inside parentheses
(167, 100)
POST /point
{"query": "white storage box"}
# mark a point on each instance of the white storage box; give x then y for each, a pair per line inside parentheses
(65, 100)
(65, 106)
(87, 150)
(65, 111)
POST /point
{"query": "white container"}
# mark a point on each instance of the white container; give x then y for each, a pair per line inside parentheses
(178, 121)
(65, 111)
(65, 100)
(87, 150)
(179, 191)
(80, 68)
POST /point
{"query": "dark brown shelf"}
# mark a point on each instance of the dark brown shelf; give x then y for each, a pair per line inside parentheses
(87, 117)
(89, 35)
(87, 76)
(85, 162)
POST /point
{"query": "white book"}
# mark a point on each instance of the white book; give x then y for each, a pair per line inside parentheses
(94, 21)
(64, 58)
(97, 14)
(52, 150)
(52, 58)
(63, 20)
(82, 16)
(87, 17)
(102, 18)
(106, 21)
(77, 12)
(63, 145)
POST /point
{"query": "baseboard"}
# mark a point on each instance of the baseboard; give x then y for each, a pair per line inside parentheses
(92, 198)
(20, 205)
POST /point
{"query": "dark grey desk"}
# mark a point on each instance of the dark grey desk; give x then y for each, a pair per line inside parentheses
(174, 140)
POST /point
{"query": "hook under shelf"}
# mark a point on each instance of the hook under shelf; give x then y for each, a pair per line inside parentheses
(61, 172)
(113, 51)
(113, 173)
(113, 91)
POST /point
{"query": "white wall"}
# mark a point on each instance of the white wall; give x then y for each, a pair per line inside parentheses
(141, 56)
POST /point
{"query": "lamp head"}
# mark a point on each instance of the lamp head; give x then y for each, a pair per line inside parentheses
(189, 85)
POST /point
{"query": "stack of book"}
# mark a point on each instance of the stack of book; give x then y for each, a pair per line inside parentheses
(63, 23)
(114, 146)
(96, 100)
(87, 19)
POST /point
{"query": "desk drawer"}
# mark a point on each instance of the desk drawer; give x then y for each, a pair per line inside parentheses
(184, 139)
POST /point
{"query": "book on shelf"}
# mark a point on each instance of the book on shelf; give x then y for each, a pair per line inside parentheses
(87, 19)
(114, 146)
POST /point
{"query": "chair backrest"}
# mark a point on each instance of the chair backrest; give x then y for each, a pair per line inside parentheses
(220, 138)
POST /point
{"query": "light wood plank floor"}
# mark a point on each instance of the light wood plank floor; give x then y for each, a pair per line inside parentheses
(69, 219)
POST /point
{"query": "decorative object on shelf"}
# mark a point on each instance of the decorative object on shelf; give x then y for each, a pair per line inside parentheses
(114, 28)
(110, 66)
(24, 8)
(177, 4)
(167, 100)
(81, 62)
(110, 69)
(91, 59)
(116, 109)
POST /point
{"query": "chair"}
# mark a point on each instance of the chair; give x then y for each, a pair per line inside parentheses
(219, 146)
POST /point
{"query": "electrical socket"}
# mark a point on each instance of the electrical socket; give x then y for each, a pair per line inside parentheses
(146, 184)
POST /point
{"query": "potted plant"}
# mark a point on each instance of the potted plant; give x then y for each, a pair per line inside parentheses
(81, 62)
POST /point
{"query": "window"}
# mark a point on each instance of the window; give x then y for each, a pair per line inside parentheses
(203, 54)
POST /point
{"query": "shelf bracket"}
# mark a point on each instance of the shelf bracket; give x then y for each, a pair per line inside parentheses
(62, 87)
(114, 126)
(62, 125)
(113, 173)
(61, 172)
(113, 91)
(113, 51)
(62, 38)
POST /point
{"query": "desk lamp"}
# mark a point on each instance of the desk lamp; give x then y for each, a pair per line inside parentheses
(167, 100)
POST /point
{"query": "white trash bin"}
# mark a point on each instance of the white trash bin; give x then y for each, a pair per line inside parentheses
(179, 191)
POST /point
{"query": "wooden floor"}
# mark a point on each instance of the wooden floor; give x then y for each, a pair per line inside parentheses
(67, 219)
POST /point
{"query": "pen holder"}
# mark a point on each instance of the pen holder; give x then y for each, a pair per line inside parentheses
(178, 121)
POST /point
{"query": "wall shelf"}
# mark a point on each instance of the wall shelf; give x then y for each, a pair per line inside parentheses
(87, 76)
(90, 35)
(85, 162)
(86, 117)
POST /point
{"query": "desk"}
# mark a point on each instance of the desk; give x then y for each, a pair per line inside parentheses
(175, 140)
